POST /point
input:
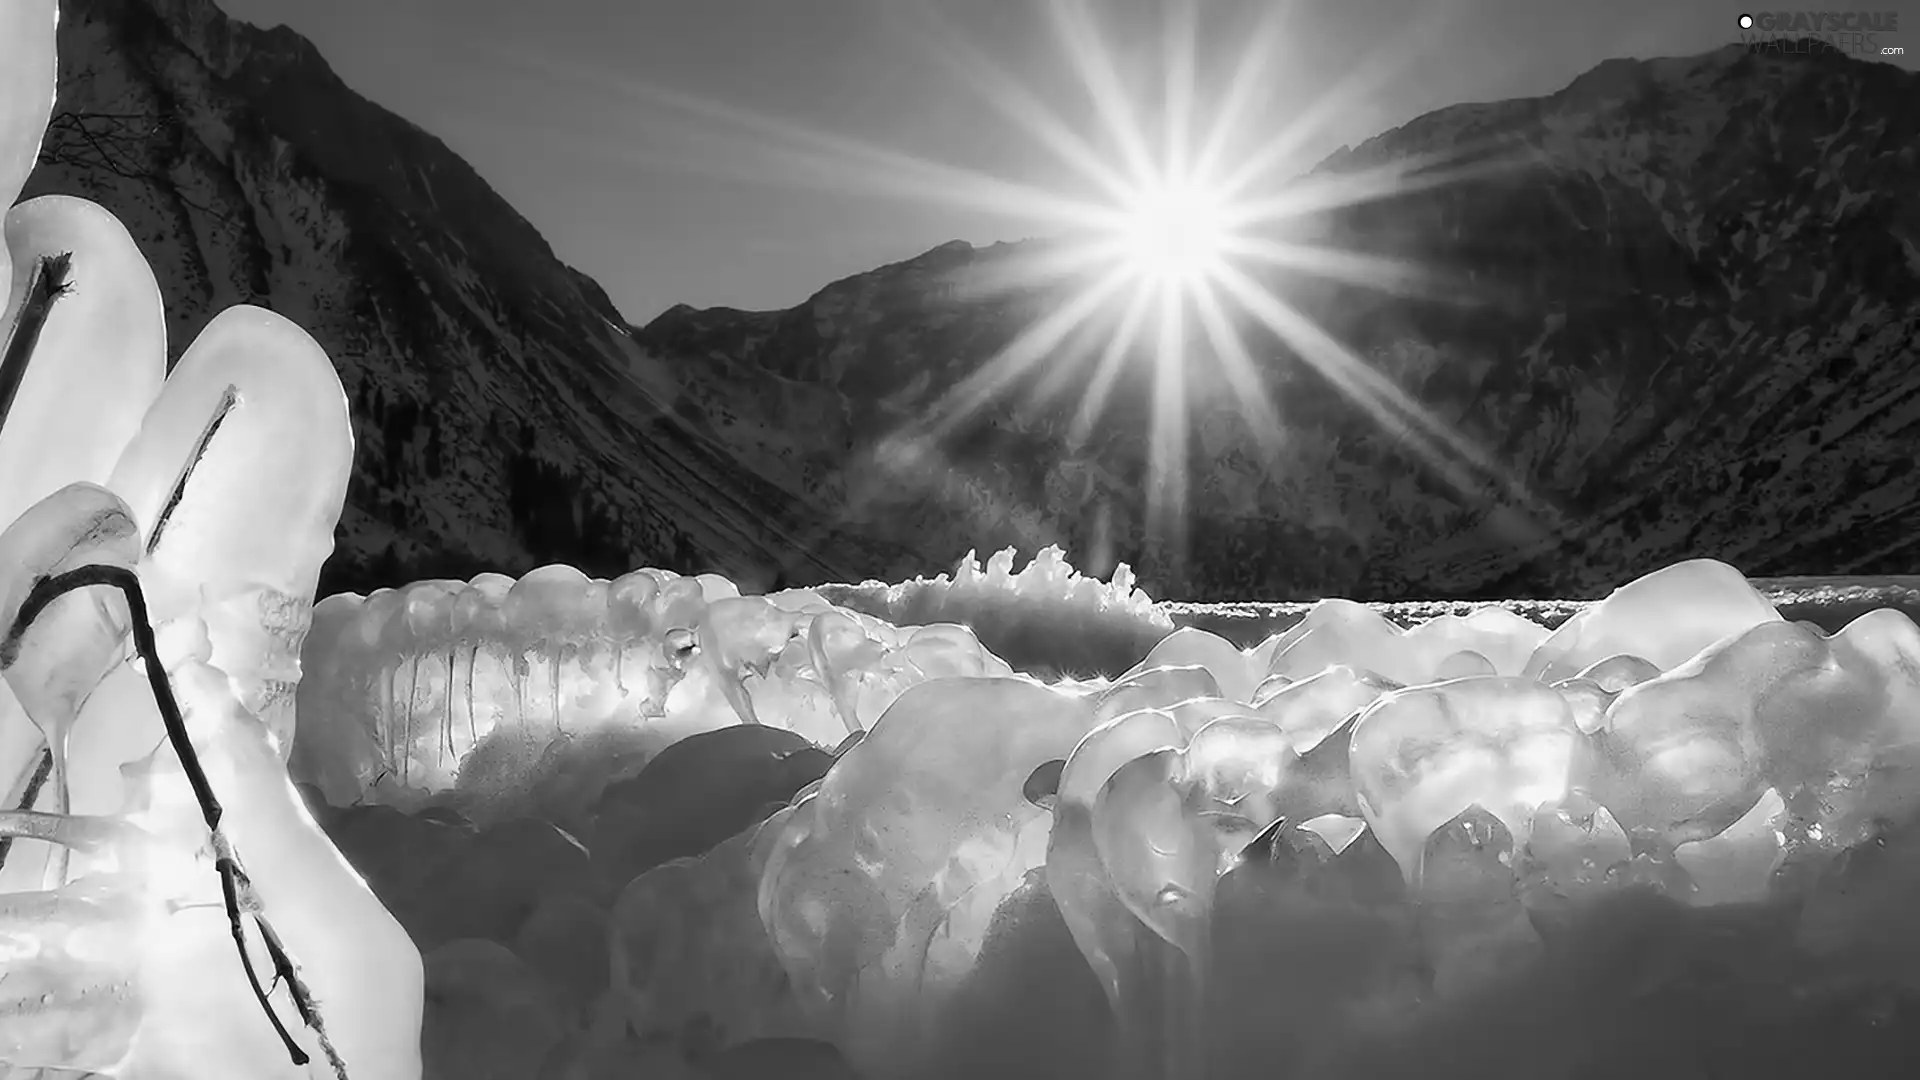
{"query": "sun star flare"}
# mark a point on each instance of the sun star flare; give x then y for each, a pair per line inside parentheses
(1170, 259)
(1174, 233)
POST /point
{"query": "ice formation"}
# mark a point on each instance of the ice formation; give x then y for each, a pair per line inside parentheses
(161, 859)
(1351, 820)
(878, 890)
(1046, 584)
(1462, 786)
(1765, 742)
(149, 861)
(1044, 618)
(483, 694)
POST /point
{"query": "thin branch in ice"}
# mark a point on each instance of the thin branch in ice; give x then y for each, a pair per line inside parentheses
(236, 890)
(46, 282)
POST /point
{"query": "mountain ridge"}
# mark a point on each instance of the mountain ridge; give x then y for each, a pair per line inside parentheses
(502, 413)
(1684, 327)
(1675, 139)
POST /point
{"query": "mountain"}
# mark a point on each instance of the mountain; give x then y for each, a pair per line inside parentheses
(1682, 324)
(1677, 314)
(503, 414)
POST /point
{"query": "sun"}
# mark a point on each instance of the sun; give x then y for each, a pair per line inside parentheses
(1174, 234)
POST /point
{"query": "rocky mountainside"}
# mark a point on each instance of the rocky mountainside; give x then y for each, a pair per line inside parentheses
(1685, 323)
(1692, 331)
(504, 415)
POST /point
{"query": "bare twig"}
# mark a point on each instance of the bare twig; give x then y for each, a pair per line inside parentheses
(46, 283)
(236, 890)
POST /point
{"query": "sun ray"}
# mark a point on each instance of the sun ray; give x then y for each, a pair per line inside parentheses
(1344, 371)
(1242, 373)
(1167, 434)
(1241, 87)
(1132, 320)
(1074, 26)
(1064, 369)
(1031, 347)
(1394, 276)
(1041, 265)
(1013, 100)
(1319, 193)
(1367, 74)
(1292, 138)
(1181, 41)
(1435, 441)
(844, 163)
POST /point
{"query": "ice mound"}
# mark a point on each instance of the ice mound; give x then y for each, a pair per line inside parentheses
(1678, 737)
(1489, 641)
(1665, 617)
(881, 886)
(498, 697)
(1441, 802)
(1358, 821)
(1364, 826)
(1080, 625)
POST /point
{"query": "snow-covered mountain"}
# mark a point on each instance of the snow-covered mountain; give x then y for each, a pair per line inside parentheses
(1694, 333)
(503, 413)
(1681, 318)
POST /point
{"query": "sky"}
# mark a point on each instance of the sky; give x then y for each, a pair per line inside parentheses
(731, 152)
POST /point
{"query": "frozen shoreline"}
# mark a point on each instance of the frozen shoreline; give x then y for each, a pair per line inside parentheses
(1829, 602)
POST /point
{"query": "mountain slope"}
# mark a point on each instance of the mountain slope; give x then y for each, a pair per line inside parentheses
(504, 417)
(1693, 301)
(1692, 321)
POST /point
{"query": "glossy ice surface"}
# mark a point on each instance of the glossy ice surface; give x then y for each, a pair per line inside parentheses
(1503, 774)
(216, 492)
